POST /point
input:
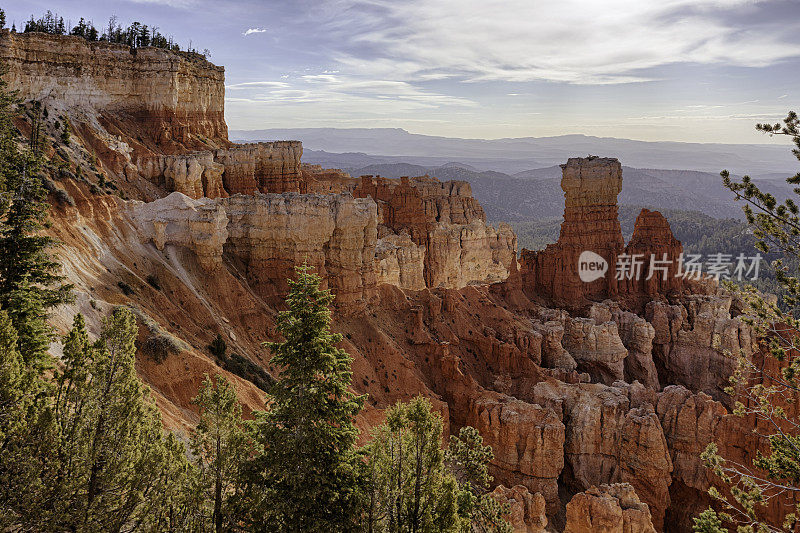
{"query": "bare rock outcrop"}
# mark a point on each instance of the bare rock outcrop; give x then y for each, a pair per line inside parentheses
(444, 218)
(336, 234)
(612, 435)
(692, 338)
(270, 234)
(198, 225)
(553, 353)
(591, 224)
(597, 348)
(401, 262)
(591, 186)
(267, 167)
(175, 98)
(637, 336)
(528, 439)
(526, 510)
(609, 509)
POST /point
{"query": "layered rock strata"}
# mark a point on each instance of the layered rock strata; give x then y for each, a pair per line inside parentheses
(444, 218)
(608, 509)
(175, 98)
(591, 186)
(272, 233)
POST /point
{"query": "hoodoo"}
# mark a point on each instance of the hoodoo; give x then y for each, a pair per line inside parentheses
(646, 268)
(597, 397)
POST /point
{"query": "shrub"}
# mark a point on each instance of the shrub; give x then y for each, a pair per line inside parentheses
(126, 289)
(218, 347)
(159, 343)
(152, 280)
(65, 131)
(246, 369)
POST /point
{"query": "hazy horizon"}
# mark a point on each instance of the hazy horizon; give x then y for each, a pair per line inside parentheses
(668, 70)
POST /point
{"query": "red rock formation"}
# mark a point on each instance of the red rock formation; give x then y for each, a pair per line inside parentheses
(267, 167)
(591, 186)
(653, 240)
(526, 510)
(444, 218)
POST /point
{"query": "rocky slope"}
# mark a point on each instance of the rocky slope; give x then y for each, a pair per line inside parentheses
(616, 385)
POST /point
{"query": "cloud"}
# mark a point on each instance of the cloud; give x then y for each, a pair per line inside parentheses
(180, 4)
(251, 31)
(252, 84)
(341, 95)
(571, 41)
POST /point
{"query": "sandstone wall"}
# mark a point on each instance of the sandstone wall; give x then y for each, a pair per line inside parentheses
(267, 167)
(269, 234)
(175, 98)
(449, 223)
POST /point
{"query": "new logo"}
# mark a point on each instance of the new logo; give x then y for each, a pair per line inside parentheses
(591, 266)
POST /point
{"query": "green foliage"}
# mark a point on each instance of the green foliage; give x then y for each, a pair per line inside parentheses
(409, 488)
(468, 459)
(246, 369)
(306, 477)
(29, 281)
(222, 446)
(136, 35)
(764, 391)
(65, 131)
(218, 347)
(92, 455)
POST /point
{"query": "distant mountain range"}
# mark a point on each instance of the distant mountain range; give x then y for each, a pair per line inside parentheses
(536, 194)
(366, 146)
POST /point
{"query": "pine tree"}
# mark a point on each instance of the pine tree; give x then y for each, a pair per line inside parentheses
(221, 446)
(409, 488)
(468, 460)
(94, 456)
(765, 390)
(29, 281)
(307, 472)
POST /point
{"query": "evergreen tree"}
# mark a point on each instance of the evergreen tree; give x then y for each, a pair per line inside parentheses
(408, 486)
(765, 390)
(221, 447)
(29, 281)
(306, 475)
(95, 457)
(468, 459)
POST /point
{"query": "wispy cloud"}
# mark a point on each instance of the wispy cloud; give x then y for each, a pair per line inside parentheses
(251, 31)
(254, 84)
(572, 41)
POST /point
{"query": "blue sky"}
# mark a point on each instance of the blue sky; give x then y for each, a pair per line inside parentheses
(684, 70)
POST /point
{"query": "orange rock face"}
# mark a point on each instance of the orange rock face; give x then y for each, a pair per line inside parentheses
(616, 384)
(174, 98)
(527, 511)
(609, 509)
(591, 186)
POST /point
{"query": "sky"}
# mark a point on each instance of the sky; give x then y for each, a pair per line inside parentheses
(679, 70)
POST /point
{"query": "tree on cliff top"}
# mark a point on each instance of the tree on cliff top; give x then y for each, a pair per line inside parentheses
(306, 477)
(767, 386)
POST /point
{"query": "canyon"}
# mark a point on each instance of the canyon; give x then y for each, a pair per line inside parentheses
(597, 398)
